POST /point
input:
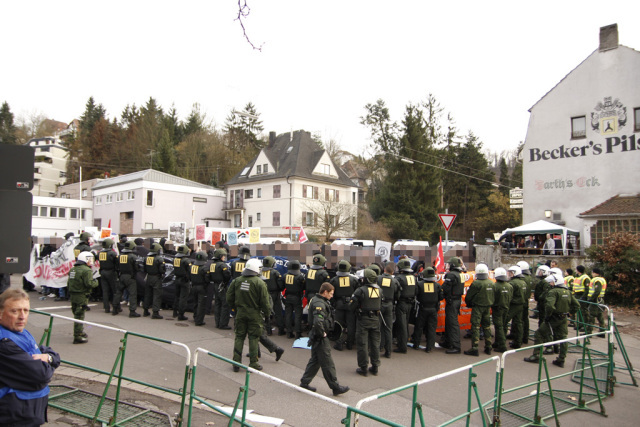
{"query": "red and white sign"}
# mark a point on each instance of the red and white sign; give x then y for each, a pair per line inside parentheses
(303, 236)
(286, 227)
(200, 231)
(447, 220)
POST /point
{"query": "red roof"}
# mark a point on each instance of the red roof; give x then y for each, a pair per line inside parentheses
(622, 204)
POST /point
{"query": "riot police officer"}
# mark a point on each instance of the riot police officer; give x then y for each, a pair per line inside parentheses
(181, 270)
(480, 297)
(517, 304)
(453, 289)
(294, 286)
(526, 275)
(238, 264)
(367, 302)
(345, 285)
(406, 299)
(219, 276)
(275, 286)
(84, 245)
(503, 294)
(390, 294)
(428, 296)
(199, 285)
(108, 275)
(316, 276)
(154, 268)
(127, 266)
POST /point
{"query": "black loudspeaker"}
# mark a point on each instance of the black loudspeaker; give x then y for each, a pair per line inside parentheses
(16, 179)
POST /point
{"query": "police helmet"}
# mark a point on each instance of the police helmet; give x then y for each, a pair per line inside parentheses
(252, 268)
(268, 261)
(482, 271)
(245, 253)
(201, 258)
(123, 238)
(344, 266)
(405, 265)
(542, 271)
(429, 274)
(319, 259)
(129, 246)
(184, 250)
(86, 257)
(554, 279)
(84, 237)
(293, 265)
(524, 266)
(370, 276)
(156, 248)
(107, 243)
(556, 271)
(376, 268)
(219, 254)
(455, 262)
(515, 270)
(500, 274)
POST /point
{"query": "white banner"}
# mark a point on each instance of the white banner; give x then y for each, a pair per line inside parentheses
(383, 249)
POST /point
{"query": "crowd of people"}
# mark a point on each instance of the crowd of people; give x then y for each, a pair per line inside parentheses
(543, 244)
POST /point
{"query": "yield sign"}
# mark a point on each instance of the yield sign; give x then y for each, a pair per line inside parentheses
(447, 220)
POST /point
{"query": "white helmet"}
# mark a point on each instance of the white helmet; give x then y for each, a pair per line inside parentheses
(556, 271)
(542, 271)
(524, 265)
(254, 265)
(554, 279)
(515, 270)
(482, 269)
(86, 257)
(500, 274)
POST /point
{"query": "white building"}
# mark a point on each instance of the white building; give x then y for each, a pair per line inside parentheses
(50, 165)
(583, 141)
(146, 201)
(53, 216)
(291, 183)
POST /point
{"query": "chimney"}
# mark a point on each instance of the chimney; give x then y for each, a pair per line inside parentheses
(608, 37)
(272, 138)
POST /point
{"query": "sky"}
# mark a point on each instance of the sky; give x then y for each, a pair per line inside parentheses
(320, 62)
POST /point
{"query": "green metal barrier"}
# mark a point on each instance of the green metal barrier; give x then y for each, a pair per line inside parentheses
(117, 372)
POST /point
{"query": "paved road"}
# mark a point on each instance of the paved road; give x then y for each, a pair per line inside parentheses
(164, 364)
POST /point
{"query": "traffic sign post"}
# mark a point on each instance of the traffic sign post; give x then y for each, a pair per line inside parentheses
(447, 221)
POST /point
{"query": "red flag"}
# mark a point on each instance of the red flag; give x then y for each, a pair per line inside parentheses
(303, 236)
(109, 226)
(440, 259)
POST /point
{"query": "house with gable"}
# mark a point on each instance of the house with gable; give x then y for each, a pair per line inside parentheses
(583, 143)
(291, 183)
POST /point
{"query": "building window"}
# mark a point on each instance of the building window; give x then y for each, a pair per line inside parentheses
(258, 217)
(98, 200)
(258, 169)
(250, 221)
(353, 198)
(326, 169)
(578, 127)
(248, 194)
(604, 228)
(329, 194)
(636, 117)
(119, 197)
(109, 198)
(200, 199)
(53, 212)
(148, 226)
(237, 223)
(332, 220)
(276, 191)
(84, 192)
(265, 168)
(276, 219)
(62, 213)
(307, 218)
(34, 211)
(131, 195)
(259, 195)
(84, 214)
(309, 192)
(149, 197)
(73, 213)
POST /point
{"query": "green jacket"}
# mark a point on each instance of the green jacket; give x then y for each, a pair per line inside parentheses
(81, 279)
(322, 317)
(503, 294)
(519, 291)
(249, 293)
(560, 301)
(481, 293)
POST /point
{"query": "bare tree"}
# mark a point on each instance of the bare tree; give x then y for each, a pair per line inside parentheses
(243, 11)
(330, 217)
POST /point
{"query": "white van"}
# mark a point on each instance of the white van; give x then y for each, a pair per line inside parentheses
(353, 242)
(411, 242)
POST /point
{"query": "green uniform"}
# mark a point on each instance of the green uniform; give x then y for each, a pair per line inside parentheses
(542, 286)
(515, 309)
(80, 284)
(316, 276)
(249, 297)
(323, 320)
(127, 266)
(581, 292)
(481, 297)
(154, 268)
(559, 302)
(595, 296)
(367, 301)
(503, 295)
(525, 310)
(390, 294)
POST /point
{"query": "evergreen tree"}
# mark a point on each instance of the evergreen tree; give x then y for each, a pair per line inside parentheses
(7, 128)
(195, 122)
(165, 159)
(505, 182)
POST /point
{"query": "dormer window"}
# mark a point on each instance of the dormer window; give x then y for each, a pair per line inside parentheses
(326, 169)
(258, 169)
(265, 168)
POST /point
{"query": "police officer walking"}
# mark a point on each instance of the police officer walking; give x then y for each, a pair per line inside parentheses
(480, 298)
(345, 285)
(429, 296)
(154, 268)
(249, 297)
(275, 286)
(503, 294)
(108, 275)
(127, 266)
(182, 271)
(316, 276)
(367, 302)
(323, 321)
(293, 292)
(199, 286)
(390, 294)
(219, 276)
(80, 283)
(453, 289)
